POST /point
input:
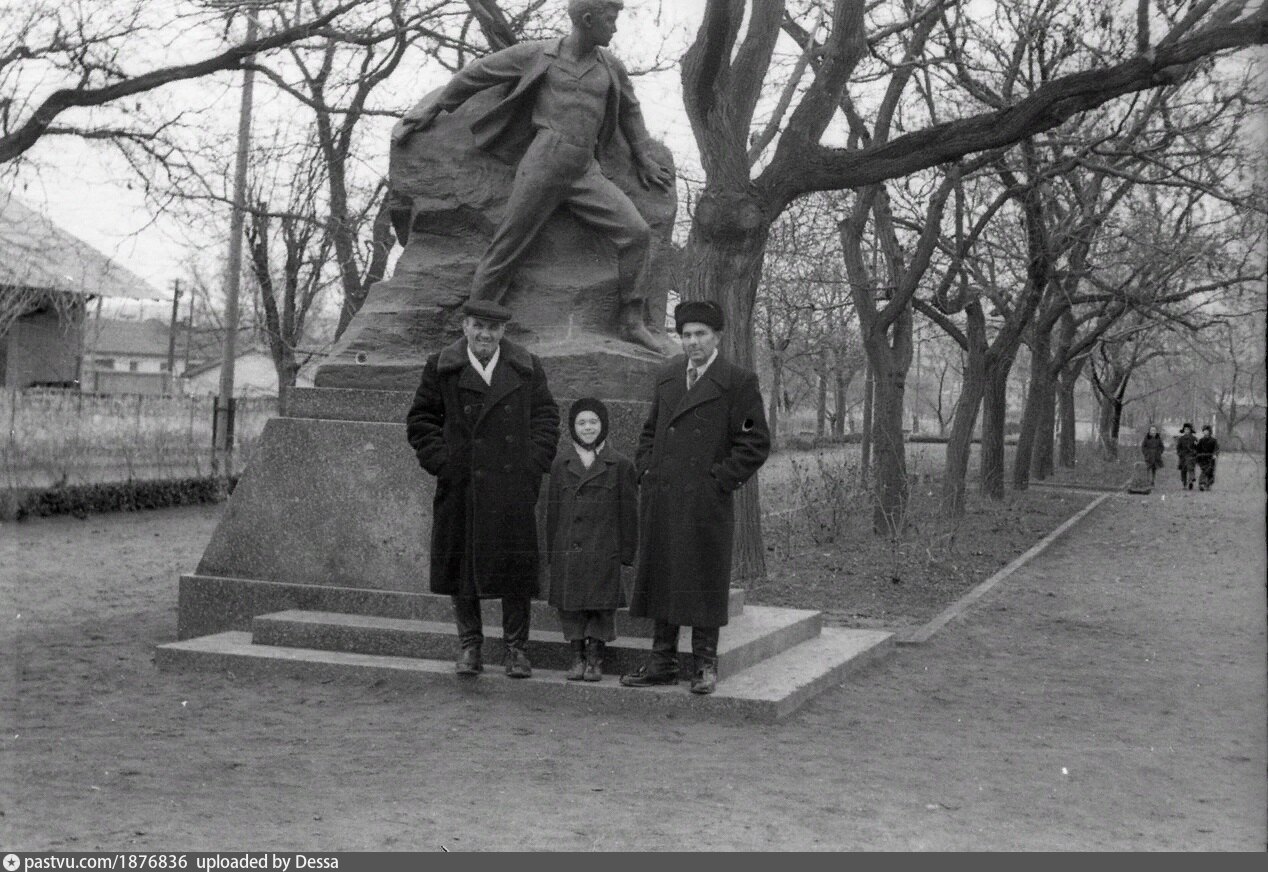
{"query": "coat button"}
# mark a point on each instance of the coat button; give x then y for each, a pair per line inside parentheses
(671, 430)
(696, 431)
(510, 439)
(507, 467)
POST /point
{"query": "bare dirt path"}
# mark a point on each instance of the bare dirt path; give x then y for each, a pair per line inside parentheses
(1109, 695)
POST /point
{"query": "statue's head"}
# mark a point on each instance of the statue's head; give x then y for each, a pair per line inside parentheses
(596, 17)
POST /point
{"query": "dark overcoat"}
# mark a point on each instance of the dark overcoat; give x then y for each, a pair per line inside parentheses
(695, 449)
(488, 446)
(1186, 449)
(591, 530)
(1152, 450)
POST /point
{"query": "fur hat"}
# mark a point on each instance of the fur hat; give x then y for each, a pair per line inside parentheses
(588, 404)
(1186, 426)
(704, 312)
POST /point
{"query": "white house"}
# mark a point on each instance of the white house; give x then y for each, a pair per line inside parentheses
(254, 375)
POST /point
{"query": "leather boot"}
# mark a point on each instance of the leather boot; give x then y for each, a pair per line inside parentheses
(594, 660)
(579, 661)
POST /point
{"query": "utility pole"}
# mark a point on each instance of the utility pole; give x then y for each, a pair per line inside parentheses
(171, 337)
(222, 456)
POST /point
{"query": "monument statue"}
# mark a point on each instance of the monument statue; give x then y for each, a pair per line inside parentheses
(565, 100)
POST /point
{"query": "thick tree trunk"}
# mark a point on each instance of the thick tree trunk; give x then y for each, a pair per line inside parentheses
(724, 258)
(1034, 442)
(1067, 449)
(776, 386)
(869, 392)
(889, 507)
(994, 412)
(1045, 424)
(960, 443)
(889, 356)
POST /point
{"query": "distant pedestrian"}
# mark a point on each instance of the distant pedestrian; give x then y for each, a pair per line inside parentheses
(591, 532)
(1186, 453)
(1152, 449)
(1208, 446)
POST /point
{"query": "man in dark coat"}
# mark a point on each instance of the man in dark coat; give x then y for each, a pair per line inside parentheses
(1204, 453)
(484, 423)
(705, 436)
(1186, 455)
(564, 99)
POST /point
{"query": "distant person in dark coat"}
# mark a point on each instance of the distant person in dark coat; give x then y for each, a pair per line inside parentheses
(1208, 446)
(484, 423)
(705, 436)
(591, 531)
(1186, 454)
(1152, 449)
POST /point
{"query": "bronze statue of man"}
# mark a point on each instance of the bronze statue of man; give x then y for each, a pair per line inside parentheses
(566, 99)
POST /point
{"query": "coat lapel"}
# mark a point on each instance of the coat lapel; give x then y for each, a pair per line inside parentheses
(708, 389)
(505, 380)
(469, 380)
(596, 469)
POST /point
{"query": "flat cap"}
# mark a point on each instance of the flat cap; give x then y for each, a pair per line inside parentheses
(486, 309)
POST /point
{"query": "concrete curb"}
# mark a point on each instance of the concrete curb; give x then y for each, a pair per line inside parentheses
(922, 634)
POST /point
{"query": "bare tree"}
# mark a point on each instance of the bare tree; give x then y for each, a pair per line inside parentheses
(90, 50)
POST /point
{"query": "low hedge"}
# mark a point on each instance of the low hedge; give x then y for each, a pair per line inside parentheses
(116, 496)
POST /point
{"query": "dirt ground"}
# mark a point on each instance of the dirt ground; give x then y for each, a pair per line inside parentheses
(1109, 695)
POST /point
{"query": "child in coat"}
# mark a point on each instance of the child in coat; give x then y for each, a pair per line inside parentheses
(591, 531)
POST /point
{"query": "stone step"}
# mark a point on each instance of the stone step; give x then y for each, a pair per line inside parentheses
(759, 633)
(210, 604)
(769, 691)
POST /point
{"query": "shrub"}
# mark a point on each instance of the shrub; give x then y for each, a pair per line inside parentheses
(121, 496)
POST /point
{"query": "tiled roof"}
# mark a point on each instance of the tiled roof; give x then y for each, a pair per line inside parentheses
(36, 253)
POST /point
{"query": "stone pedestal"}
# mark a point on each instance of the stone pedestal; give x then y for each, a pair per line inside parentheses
(333, 509)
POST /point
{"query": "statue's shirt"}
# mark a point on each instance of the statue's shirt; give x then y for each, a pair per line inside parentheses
(572, 99)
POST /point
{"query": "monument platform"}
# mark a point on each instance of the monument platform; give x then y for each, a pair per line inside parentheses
(318, 569)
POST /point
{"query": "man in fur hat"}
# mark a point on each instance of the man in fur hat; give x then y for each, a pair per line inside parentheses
(705, 436)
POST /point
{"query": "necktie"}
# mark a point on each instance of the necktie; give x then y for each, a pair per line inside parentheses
(692, 375)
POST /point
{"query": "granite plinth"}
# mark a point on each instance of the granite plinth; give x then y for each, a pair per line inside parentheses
(209, 604)
(758, 633)
(339, 503)
(767, 692)
(625, 417)
(575, 365)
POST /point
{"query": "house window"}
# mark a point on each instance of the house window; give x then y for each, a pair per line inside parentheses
(105, 363)
(133, 365)
(163, 366)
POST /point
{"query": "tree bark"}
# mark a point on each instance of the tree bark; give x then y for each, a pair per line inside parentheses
(1067, 449)
(964, 419)
(776, 386)
(994, 412)
(725, 254)
(869, 392)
